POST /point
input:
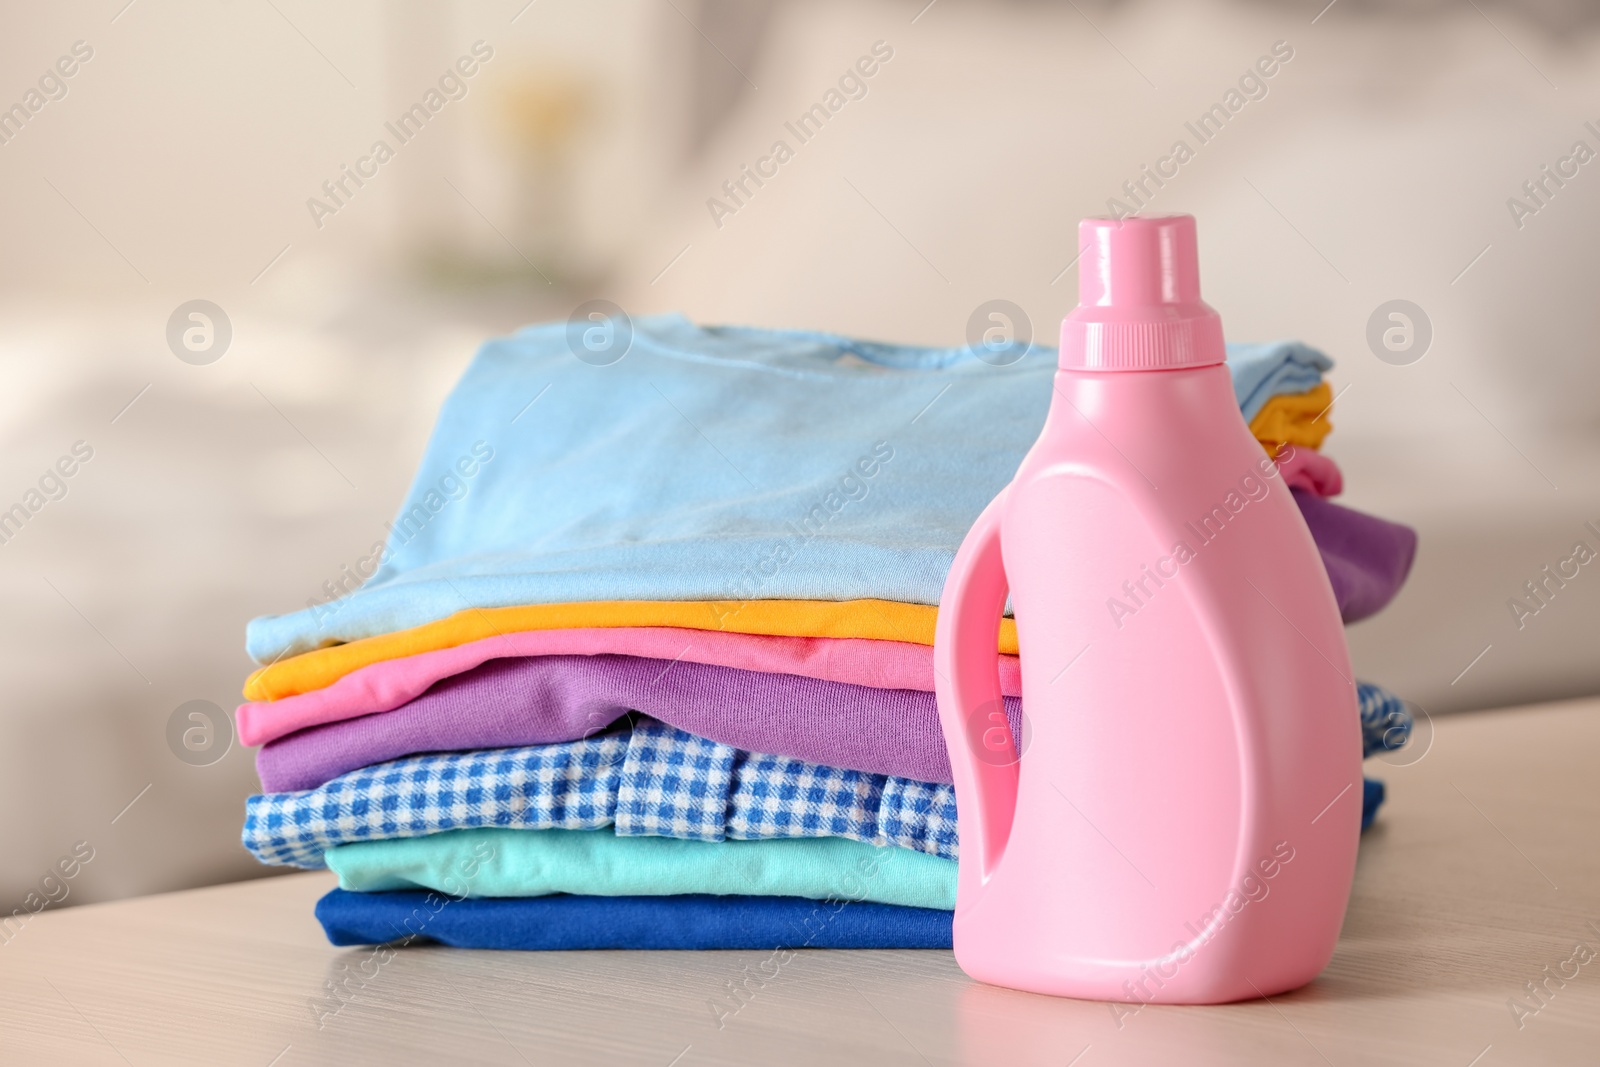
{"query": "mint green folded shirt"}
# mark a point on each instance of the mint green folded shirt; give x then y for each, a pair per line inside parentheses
(500, 862)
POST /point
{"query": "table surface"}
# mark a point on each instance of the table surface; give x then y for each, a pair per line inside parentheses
(1481, 872)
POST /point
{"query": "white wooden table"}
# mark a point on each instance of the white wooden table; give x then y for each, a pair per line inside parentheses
(1483, 869)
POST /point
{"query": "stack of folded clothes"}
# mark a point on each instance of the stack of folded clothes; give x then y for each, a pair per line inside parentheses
(645, 659)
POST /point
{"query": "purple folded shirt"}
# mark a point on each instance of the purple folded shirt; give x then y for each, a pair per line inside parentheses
(1367, 558)
(540, 700)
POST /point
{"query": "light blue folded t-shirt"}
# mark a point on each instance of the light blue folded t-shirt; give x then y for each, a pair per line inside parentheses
(707, 463)
(496, 862)
(1261, 372)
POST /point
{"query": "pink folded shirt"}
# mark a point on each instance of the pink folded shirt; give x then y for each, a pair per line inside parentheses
(390, 684)
(1306, 468)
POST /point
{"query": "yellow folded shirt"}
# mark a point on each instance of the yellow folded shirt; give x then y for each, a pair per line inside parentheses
(882, 620)
(1299, 419)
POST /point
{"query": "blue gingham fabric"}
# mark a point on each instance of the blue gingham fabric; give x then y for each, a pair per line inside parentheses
(645, 779)
(1385, 719)
(649, 779)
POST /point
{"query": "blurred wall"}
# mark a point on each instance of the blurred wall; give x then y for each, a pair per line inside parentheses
(578, 160)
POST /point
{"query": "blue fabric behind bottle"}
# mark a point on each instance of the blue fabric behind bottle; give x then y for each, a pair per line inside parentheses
(708, 464)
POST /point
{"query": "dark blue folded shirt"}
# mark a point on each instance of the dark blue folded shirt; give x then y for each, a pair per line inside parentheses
(674, 922)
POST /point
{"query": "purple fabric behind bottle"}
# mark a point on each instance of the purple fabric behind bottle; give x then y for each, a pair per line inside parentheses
(547, 699)
(1367, 558)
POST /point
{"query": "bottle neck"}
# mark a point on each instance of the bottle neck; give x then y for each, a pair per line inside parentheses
(1150, 394)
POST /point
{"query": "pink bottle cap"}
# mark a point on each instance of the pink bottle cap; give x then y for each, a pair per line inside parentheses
(1139, 305)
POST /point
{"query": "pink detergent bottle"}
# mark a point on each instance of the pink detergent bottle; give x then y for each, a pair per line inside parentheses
(1181, 823)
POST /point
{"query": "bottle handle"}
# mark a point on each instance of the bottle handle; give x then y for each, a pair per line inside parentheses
(966, 664)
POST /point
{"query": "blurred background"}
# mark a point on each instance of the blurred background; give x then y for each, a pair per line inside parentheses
(225, 152)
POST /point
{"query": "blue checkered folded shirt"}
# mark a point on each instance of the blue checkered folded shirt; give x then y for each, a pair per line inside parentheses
(1385, 719)
(649, 779)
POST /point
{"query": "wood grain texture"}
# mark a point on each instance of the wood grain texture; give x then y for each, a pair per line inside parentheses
(1482, 870)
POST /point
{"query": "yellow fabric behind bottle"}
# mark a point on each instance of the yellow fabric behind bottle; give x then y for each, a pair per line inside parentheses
(1299, 419)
